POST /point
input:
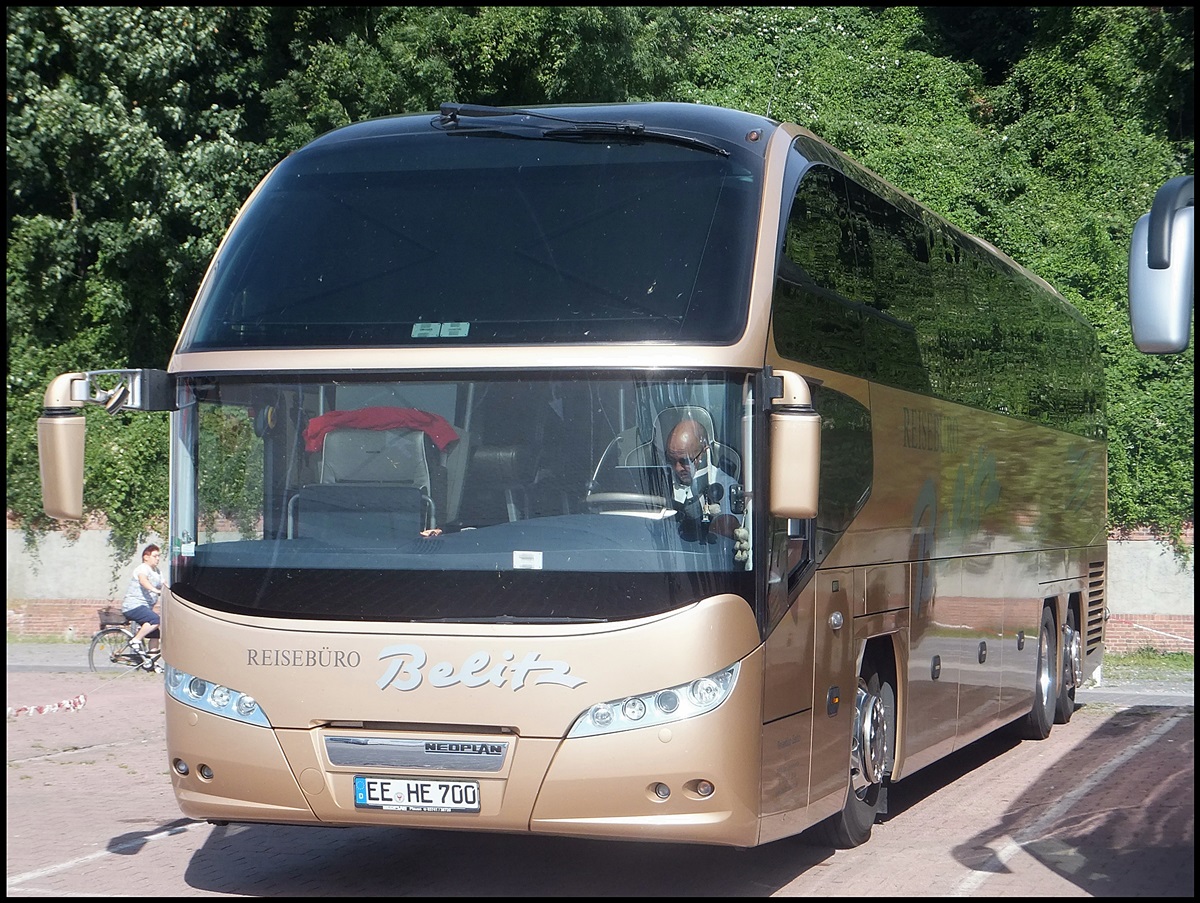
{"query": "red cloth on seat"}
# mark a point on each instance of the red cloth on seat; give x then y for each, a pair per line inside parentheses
(435, 426)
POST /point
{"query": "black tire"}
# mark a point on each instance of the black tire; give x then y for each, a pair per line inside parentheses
(1036, 725)
(871, 758)
(1072, 669)
(109, 650)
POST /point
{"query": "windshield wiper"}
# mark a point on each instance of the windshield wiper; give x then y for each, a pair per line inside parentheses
(452, 115)
(635, 130)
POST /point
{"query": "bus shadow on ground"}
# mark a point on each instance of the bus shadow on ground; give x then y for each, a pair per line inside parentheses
(1115, 816)
(389, 861)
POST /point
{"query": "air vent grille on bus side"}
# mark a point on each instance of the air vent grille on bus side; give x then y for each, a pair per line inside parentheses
(1096, 607)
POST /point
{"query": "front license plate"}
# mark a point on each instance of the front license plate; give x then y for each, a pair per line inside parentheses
(416, 795)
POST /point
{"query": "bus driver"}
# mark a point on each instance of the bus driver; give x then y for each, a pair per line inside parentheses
(707, 497)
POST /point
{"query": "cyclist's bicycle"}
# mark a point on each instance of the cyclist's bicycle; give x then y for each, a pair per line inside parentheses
(111, 648)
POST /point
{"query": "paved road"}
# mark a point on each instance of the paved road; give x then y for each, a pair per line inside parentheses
(1104, 807)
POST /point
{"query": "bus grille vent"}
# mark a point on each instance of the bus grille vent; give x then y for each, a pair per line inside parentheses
(1096, 607)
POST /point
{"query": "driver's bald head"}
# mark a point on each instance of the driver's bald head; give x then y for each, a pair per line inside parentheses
(685, 445)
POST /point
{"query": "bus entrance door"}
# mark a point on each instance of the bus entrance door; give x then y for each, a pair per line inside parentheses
(834, 689)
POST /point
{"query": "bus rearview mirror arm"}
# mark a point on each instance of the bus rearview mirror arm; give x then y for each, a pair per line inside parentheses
(1174, 195)
(1162, 255)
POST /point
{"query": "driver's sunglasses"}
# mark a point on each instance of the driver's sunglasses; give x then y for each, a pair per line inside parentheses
(687, 461)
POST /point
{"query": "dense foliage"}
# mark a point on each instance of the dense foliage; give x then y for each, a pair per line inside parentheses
(134, 133)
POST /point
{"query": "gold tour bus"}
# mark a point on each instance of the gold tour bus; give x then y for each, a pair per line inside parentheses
(647, 472)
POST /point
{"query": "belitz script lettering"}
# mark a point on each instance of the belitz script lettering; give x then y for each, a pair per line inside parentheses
(406, 670)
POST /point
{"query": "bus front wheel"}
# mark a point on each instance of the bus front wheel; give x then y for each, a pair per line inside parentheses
(872, 746)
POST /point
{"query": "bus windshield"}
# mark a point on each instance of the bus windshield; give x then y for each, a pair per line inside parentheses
(416, 237)
(510, 497)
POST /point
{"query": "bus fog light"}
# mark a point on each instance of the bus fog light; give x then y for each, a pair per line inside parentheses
(662, 791)
(181, 767)
(705, 788)
(206, 772)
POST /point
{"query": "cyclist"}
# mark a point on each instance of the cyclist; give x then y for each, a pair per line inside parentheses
(145, 587)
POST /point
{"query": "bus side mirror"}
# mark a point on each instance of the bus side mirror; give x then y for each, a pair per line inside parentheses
(1161, 270)
(795, 449)
(60, 432)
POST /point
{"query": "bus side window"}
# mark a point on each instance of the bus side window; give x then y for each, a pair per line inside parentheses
(798, 546)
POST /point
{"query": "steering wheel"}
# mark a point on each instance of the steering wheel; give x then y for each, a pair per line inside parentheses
(609, 501)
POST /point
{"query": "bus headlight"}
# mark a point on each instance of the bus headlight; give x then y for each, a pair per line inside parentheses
(704, 692)
(658, 706)
(216, 699)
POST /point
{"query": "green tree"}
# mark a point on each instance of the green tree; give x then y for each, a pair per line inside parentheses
(1044, 130)
(124, 167)
(389, 60)
(134, 133)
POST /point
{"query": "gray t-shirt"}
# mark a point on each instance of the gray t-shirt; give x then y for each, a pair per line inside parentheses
(137, 595)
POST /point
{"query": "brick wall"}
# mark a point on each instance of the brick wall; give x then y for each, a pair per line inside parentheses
(1163, 633)
(59, 618)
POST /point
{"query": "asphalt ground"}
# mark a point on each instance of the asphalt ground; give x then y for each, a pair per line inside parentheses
(1104, 807)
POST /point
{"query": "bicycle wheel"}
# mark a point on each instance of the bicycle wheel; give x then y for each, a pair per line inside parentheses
(110, 650)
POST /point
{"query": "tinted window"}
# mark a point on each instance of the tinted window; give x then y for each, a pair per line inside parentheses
(440, 238)
(872, 285)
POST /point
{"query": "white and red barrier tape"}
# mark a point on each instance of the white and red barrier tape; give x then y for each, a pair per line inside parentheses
(67, 705)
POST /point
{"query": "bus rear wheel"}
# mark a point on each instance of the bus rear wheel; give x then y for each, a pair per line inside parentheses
(1072, 670)
(872, 745)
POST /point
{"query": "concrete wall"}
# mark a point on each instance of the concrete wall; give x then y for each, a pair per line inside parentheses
(1145, 577)
(58, 568)
(1151, 598)
(1150, 594)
